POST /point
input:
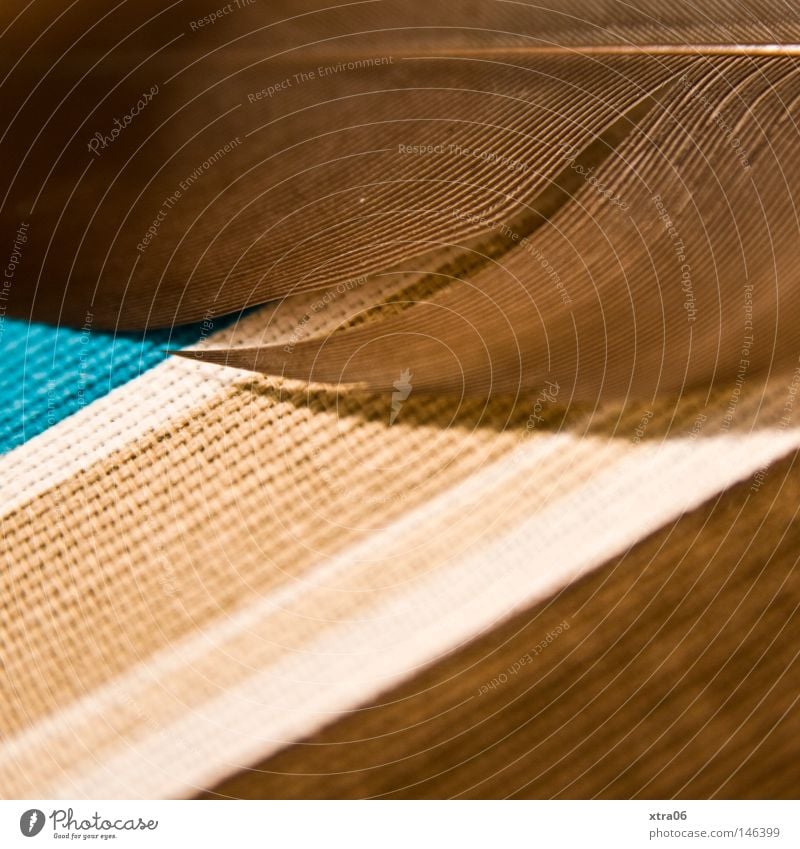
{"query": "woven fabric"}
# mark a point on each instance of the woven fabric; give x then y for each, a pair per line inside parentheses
(189, 591)
(50, 373)
(672, 672)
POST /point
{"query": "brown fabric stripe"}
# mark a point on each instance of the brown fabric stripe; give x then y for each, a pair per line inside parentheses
(677, 677)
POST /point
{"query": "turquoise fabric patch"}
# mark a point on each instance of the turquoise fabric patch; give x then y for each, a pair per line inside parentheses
(50, 373)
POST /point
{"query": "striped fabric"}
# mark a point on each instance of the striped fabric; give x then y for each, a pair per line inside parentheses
(671, 671)
(217, 583)
(203, 567)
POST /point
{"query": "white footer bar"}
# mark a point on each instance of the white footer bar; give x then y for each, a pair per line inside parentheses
(402, 825)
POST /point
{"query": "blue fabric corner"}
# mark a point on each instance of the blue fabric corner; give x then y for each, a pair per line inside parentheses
(49, 373)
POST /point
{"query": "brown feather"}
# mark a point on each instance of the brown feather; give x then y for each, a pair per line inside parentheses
(618, 182)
